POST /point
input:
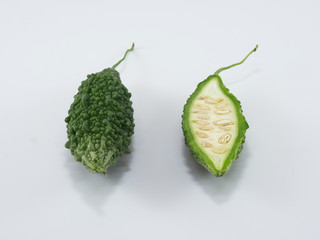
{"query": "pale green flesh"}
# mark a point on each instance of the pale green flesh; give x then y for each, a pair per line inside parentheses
(212, 116)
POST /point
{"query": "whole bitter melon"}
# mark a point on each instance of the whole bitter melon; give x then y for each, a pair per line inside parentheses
(213, 124)
(100, 121)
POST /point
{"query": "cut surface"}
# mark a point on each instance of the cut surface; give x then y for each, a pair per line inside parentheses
(214, 126)
(216, 110)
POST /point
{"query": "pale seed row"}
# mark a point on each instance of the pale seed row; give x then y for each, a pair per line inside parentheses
(221, 108)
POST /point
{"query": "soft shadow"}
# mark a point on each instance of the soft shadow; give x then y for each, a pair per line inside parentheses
(220, 189)
(245, 77)
(95, 189)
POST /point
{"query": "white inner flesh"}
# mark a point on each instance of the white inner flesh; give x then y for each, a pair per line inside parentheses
(213, 122)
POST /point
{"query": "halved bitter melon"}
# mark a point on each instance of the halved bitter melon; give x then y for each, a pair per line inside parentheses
(213, 124)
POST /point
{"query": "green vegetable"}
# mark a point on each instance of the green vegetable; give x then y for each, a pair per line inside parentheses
(100, 121)
(213, 124)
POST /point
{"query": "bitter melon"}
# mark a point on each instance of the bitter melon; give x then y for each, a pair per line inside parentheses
(213, 124)
(100, 121)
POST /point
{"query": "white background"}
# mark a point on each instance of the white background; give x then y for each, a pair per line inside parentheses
(159, 192)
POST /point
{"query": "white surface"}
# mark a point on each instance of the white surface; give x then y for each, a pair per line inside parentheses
(159, 192)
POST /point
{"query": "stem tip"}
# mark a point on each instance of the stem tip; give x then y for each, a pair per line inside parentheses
(129, 50)
(225, 68)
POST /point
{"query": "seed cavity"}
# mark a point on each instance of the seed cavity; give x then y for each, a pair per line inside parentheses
(206, 144)
(201, 134)
(202, 107)
(200, 122)
(220, 149)
(222, 106)
(225, 128)
(202, 97)
(203, 117)
(222, 111)
(223, 122)
(213, 100)
(201, 112)
(225, 138)
(205, 128)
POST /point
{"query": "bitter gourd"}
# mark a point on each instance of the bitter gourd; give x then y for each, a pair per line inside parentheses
(100, 120)
(213, 124)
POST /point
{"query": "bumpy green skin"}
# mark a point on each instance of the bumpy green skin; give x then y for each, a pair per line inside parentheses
(100, 122)
(195, 150)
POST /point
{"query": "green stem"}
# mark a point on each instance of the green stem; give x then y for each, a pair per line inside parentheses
(225, 68)
(129, 50)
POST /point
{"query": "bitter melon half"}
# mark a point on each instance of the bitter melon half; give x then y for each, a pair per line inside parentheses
(213, 124)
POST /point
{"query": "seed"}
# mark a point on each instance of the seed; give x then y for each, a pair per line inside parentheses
(225, 138)
(202, 107)
(223, 122)
(222, 106)
(219, 149)
(205, 128)
(222, 111)
(201, 134)
(201, 112)
(203, 117)
(206, 144)
(200, 122)
(213, 100)
(225, 128)
(202, 97)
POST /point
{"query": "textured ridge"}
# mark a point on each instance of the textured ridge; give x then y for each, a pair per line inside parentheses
(100, 121)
